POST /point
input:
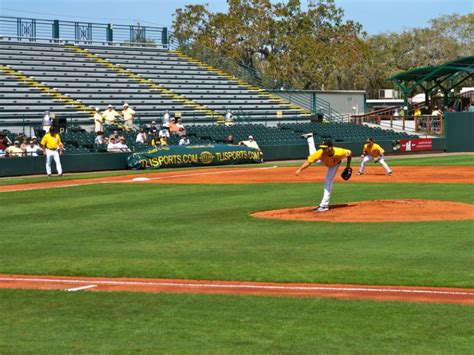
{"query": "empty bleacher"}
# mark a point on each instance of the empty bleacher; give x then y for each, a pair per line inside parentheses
(93, 83)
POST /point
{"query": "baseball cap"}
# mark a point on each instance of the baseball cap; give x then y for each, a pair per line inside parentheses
(16, 142)
(97, 109)
(250, 137)
(125, 105)
(110, 106)
(326, 143)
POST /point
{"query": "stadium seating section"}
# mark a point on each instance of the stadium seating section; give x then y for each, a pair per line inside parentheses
(78, 140)
(99, 76)
(70, 81)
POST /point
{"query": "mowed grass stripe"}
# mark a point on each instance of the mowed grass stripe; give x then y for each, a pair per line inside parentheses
(205, 232)
(88, 322)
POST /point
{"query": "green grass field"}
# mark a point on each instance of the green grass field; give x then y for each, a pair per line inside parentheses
(205, 232)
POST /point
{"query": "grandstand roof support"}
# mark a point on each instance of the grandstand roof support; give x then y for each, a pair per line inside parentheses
(445, 77)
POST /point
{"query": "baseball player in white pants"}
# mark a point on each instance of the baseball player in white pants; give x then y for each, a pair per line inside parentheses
(331, 157)
(52, 145)
(373, 151)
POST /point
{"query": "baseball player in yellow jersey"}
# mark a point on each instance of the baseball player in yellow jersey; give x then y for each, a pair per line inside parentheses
(372, 151)
(331, 157)
(52, 145)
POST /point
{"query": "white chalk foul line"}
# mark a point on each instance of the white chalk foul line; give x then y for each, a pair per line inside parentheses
(207, 173)
(80, 288)
(244, 286)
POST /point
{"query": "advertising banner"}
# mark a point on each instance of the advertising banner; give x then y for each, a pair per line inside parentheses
(411, 145)
(186, 156)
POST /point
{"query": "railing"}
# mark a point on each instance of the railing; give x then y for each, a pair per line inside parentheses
(40, 30)
(424, 124)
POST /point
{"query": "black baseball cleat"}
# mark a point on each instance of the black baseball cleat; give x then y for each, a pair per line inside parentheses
(306, 135)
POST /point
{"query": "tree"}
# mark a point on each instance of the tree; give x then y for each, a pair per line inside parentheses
(284, 45)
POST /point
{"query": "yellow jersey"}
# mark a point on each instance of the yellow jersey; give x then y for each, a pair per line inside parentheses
(339, 155)
(109, 116)
(128, 114)
(375, 151)
(50, 142)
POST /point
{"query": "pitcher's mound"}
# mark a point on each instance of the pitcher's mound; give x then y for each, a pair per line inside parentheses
(378, 211)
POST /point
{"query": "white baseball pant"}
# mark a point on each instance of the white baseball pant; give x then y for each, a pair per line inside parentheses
(368, 158)
(53, 154)
(330, 175)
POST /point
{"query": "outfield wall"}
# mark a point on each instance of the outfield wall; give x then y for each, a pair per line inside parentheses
(118, 161)
(459, 131)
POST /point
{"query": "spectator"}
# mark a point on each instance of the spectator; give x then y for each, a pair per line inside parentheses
(173, 126)
(116, 136)
(164, 141)
(181, 129)
(14, 150)
(52, 147)
(99, 138)
(166, 118)
(155, 140)
(436, 112)
(24, 143)
(128, 116)
(159, 141)
(47, 122)
(164, 132)
(417, 113)
(176, 127)
(141, 137)
(110, 116)
(184, 140)
(3, 144)
(153, 129)
(396, 113)
(251, 143)
(471, 107)
(229, 118)
(229, 139)
(122, 146)
(32, 149)
(112, 146)
(98, 121)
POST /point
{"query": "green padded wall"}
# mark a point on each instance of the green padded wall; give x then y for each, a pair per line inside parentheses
(459, 131)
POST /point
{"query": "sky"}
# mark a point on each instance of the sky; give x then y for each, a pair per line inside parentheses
(376, 16)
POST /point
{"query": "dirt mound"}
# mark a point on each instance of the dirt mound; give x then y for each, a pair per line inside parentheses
(378, 211)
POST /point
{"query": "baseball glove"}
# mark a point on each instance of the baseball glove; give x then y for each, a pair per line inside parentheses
(347, 173)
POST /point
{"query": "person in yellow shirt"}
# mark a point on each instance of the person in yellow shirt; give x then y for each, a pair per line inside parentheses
(332, 158)
(110, 115)
(128, 116)
(98, 121)
(373, 151)
(53, 147)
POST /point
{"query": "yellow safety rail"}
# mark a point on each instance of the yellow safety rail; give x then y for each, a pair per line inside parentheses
(167, 93)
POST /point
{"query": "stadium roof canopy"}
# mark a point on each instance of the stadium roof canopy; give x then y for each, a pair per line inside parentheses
(445, 76)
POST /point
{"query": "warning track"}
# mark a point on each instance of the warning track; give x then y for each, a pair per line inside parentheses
(340, 291)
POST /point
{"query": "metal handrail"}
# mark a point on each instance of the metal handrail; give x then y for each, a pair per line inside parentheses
(33, 30)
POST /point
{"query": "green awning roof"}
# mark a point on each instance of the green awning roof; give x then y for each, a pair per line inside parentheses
(438, 72)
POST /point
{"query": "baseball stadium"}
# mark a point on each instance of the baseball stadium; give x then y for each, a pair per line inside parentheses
(161, 196)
